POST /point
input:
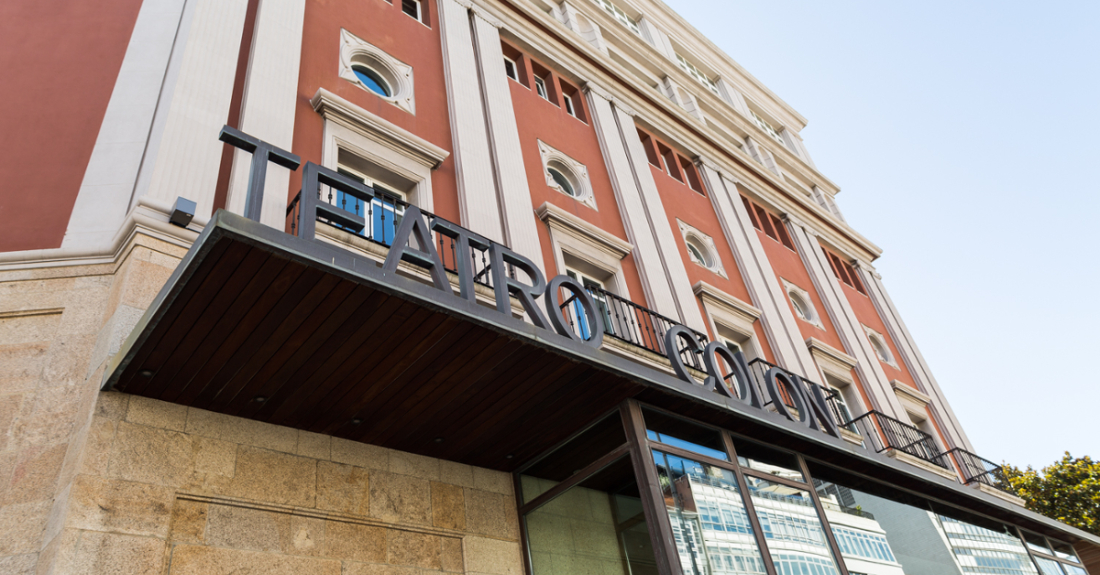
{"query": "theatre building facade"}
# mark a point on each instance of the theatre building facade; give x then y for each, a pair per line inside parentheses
(451, 286)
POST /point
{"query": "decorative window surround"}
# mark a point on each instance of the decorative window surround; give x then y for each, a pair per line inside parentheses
(693, 235)
(356, 51)
(761, 155)
(881, 347)
(731, 313)
(572, 169)
(912, 399)
(682, 98)
(571, 235)
(619, 15)
(581, 24)
(352, 128)
(697, 74)
(767, 127)
(833, 362)
(813, 318)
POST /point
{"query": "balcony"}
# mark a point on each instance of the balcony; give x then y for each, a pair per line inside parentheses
(983, 474)
(376, 222)
(895, 437)
(759, 367)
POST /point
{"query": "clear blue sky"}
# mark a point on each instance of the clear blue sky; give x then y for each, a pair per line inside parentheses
(963, 136)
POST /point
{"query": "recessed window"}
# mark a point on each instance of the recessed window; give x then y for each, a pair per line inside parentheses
(372, 81)
(768, 223)
(382, 213)
(540, 88)
(569, 105)
(878, 343)
(801, 303)
(701, 249)
(562, 181)
(767, 127)
(844, 271)
(697, 74)
(620, 16)
(511, 69)
(412, 8)
(566, 175)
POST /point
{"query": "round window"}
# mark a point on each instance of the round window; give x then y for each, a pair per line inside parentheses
(562, 181)
(880, 349)
(373, 81)
(699, 253)
(801, 308)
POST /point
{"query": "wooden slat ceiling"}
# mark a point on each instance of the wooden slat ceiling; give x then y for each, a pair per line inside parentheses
(258, 324)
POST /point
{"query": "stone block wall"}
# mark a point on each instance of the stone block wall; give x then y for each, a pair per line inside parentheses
(163, 488)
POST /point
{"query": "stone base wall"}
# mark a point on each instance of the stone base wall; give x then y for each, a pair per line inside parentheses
(168, 489)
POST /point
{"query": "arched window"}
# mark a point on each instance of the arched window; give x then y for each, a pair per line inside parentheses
(372, 80)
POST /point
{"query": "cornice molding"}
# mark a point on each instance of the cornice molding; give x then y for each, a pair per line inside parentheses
(818, 347)
(336, 109)
(907, 392)
(566, 222)
(725, 302)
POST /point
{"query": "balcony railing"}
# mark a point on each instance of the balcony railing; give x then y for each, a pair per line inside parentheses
(377, 221)
(885, 432)
(758, 368)
(977, 469)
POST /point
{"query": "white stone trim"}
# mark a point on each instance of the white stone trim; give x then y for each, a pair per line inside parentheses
(184, 158)
(586, 242)
(794, 291)
(831, 360)
(873, 337)
(514, 192)
(376, 129)
(918, 462)
(105, 192)
(691, 233)
(361, 133)
(582, 185)
(267, 107)
(354, 50)
(474, 175)
(726, 311)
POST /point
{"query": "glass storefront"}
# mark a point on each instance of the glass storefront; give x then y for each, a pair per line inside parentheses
(643, 486)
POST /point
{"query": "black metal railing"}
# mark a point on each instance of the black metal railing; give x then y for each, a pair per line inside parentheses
(758, 368)
(885, 432)
(977, 469)
(381, 216)
(623, 319)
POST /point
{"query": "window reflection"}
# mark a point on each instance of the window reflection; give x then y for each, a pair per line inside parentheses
(793, 531)
(1049, 566)
(679, 433)
(709, 521)
(779, 463)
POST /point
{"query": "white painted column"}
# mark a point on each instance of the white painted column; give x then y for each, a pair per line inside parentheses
(519, 222)
(780, 325)
(268, 105)
(477, 197)
(844, 320)
(109, 179)
(184, 155)
(912, 356)
(605, 112)
(659, 261)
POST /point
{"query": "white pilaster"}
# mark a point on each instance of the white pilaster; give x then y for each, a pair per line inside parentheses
(519, 222)
(913, 358)
(109, 179)
(477, 196)
(844, 320)
(268, 105)
(670, 263)
(605, 118)
(733, 96)
(780, 325)
(184, 158)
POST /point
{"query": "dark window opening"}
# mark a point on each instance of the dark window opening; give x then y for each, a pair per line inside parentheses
(650, 148)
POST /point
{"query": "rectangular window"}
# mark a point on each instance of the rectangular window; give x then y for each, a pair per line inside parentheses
(650, 148)
(671, 165)
(511, 69)
(845, 272)
(620, 16)
(697, 74)
(383, 214)
(768, 128)
(569, 105)
(571, 99)
(412, 8)
(770, 224)
(540, 88)
(692, 174)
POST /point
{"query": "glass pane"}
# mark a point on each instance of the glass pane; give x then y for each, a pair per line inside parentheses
(1074, 570)
(709, 520)
(679, 433)
(792, 529)
(778, 463)
(892, 532)
(560, 464)
(1049, 566)
(595, 527)
(1064, 551)
(1037, 543)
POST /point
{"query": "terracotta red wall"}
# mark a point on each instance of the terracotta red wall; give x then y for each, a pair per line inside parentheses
(538, 119)
(60, 59)
(387, 27)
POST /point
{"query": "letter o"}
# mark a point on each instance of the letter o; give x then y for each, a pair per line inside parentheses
(557, 318)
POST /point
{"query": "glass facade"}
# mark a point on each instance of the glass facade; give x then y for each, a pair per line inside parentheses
(720, 504)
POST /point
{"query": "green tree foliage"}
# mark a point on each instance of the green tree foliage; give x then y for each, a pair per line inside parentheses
(1068, 490)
